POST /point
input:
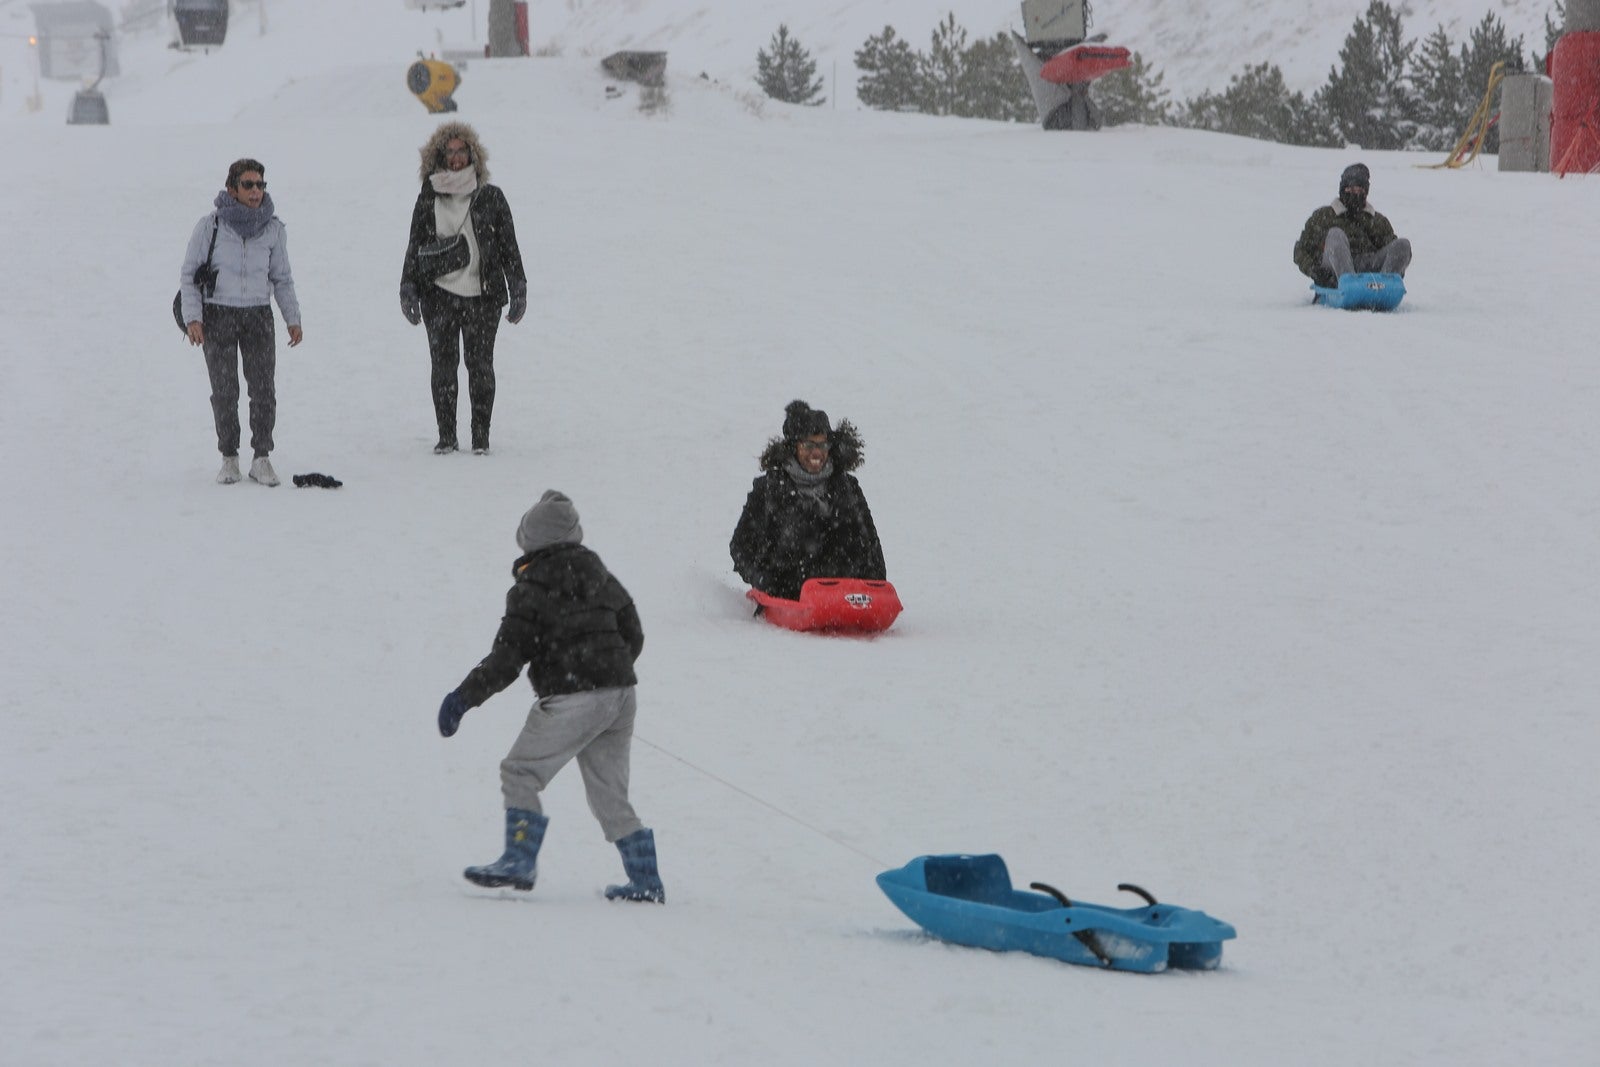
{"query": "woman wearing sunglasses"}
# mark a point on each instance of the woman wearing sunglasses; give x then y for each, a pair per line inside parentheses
(462, 265)
(806, 516)
(236, 263)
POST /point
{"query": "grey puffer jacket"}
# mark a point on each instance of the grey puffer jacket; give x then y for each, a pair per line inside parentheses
(249, 272)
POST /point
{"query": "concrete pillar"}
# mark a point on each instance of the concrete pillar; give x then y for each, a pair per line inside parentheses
(1525, 102)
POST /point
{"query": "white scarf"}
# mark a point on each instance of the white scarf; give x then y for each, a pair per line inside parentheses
(454, 182)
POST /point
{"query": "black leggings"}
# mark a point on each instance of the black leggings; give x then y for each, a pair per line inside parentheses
(235, 336)
(457, 323)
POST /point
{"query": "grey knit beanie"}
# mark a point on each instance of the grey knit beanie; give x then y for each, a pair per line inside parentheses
(551, 521)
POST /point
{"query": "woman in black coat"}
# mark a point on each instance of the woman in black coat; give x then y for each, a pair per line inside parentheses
(806, 516)
(462, 307)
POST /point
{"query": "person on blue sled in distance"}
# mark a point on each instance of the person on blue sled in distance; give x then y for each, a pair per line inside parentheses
(1349, 236)
(806, 516)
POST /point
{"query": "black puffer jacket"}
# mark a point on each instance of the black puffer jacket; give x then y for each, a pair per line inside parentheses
(499, 259)
(783, 538)
(569, 620)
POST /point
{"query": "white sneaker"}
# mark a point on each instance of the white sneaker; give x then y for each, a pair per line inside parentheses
(261, 471)
(229, 472)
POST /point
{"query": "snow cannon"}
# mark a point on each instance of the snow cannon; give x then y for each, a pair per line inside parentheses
(1060, 61)
(1575, 72)
(434, 82)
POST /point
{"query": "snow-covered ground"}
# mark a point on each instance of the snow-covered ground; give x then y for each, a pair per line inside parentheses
(1284, 613)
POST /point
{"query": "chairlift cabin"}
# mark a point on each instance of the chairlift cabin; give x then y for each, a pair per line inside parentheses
(201, 23)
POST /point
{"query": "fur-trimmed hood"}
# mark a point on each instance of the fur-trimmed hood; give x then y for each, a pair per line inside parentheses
(432, 152)
(1340, 209)
(846, 449)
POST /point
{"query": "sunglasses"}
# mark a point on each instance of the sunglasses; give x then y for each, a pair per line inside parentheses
(812, 446)
(252, 185)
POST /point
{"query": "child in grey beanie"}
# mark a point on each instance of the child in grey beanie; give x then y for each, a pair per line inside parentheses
(551, 521)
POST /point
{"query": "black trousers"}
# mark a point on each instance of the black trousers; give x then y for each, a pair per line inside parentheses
(235, 336)
(457, 326)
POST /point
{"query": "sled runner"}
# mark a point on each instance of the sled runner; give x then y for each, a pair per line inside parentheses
(1084, 63)
(1362, 292)
(834, 604)
(968, 900)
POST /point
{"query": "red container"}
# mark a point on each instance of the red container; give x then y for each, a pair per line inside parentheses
(1575, 111)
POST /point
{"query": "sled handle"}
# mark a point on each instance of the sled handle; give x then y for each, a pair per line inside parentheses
(1053, 891)
(1086, 938)
(1129, 887)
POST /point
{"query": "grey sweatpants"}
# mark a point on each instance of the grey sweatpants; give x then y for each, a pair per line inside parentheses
(596, 728)
(1392, 258)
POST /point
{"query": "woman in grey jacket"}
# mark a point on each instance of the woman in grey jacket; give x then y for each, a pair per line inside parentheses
(247, 248)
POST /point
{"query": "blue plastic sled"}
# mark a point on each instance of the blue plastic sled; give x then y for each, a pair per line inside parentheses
(1362, 292)
(968, 900)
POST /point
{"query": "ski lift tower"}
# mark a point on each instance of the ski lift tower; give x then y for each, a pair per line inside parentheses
(1060, 60)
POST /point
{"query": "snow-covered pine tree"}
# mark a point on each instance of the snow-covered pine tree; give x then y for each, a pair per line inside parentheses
(888, 65)
(1369, 96)
(992, 83)
(1258, 103)
(940, 69)
(788, 72)
(1437, 78)
(1553, 28)
(1133, 95)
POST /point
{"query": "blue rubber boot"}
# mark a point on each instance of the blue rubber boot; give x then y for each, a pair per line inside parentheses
(519, 866)
(639, 863)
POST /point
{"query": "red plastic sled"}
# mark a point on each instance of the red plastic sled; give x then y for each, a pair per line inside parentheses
(1084, 63)
(833, 604)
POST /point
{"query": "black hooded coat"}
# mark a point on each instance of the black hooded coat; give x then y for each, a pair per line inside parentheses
(785, 537)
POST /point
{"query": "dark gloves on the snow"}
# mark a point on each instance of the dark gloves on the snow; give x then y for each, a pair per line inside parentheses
(321, 481)
(410, 304)
(450, 713)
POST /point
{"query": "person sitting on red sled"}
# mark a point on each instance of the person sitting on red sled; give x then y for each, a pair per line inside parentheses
(806, 516)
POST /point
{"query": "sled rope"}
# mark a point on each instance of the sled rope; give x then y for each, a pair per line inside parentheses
(1471, 142)
(764, 803)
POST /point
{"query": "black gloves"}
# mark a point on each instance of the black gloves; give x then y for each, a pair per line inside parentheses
(519, 303)
(410, 304)
(321, 481)
(450, 713)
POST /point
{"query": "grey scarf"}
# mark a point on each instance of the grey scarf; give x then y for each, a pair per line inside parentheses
(245, 221)
(813, 487)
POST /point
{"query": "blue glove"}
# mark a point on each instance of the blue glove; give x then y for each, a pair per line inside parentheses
(450, 713)
(410, 304)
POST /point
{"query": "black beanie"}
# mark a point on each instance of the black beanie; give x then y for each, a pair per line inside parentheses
(802, 420)
(1355, 174)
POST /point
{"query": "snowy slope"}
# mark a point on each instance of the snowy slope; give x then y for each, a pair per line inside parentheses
(1197, 46)
(1284, 613)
